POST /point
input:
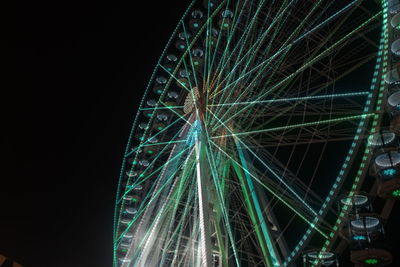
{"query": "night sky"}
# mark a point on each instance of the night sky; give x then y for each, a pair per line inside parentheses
(75, 73)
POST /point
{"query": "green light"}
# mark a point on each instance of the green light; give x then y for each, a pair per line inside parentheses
(396, 193)
(371, 261)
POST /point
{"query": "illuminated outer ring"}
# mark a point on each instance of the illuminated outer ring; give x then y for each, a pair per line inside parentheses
(372, 96)
(380, 68)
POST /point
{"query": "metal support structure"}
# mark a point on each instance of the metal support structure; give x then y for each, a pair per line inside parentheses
(262, 230)
(204, 207)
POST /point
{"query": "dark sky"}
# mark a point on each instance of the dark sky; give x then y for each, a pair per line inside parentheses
(75, 72)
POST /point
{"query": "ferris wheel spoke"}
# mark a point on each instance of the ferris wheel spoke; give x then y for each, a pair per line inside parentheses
(296, 200)
(150, 198)
(192, 67)
(292, 178)
(175, 231)
(239, 141)
(302, 117)
(316, 106)
(314, 91)
(271, 191)
(229, 37)
(162, 108)
(175, 78)
(234, 87)
(190, 89)
(304, 66)
(143, 254)
(225, 61)
(158, 171)
(252, 55)
(283, 186)
(280, 168)
(213, 52)
(300, 99)
(341, 135)
(262, 117)
(208, 48)
(153, 195)
(144, 176)
(226, 56)
(183, 222)
(153, 137)
(264, 185)
(248, 231)
(252, 52)
(301, 125)
(221, 207)
(283, 48)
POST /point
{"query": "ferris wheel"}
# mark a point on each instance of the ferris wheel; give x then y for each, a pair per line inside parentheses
(265, 132)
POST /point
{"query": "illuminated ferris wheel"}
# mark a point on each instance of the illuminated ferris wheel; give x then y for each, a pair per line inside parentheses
(266, 130)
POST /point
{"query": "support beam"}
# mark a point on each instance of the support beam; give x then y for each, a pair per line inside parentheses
(255, 212)
(202, 180)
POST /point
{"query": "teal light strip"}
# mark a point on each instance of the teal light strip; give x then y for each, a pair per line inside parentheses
(291, 99)
(261, 219)
(363, 116)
